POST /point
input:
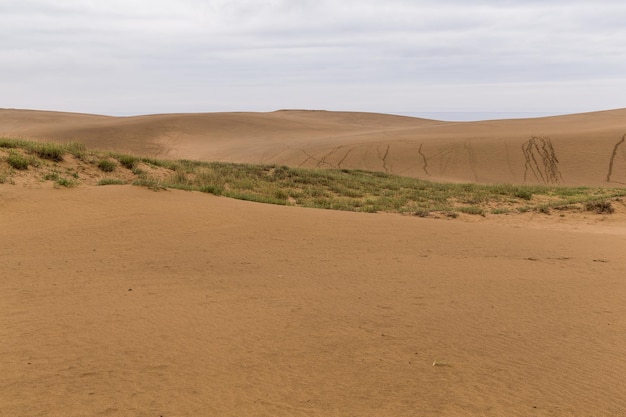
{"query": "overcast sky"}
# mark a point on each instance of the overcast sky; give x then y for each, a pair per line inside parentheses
(123, 57)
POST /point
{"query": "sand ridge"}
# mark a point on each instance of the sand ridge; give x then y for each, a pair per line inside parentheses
(580, 149)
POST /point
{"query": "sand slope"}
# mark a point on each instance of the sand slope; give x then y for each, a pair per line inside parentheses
(120, 301)
(581, 149)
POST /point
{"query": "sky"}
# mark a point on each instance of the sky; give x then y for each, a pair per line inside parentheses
(124, 57)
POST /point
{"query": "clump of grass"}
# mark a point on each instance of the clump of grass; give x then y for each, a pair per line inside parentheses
(65, 182)
(421, 213)
(472, 210)
(545, 209)
(127, 161)
(5, 177)
(9, 143)
(51, 176)
(524, 194)
(600, 207)
(152, 184)
(111, 181)
(106, 165)
(17, 160)
(47, 150)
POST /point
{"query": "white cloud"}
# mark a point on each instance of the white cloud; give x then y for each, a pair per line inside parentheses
(135, 56)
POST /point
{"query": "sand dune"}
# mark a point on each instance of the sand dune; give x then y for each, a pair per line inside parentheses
(581, 149)
(121, 301)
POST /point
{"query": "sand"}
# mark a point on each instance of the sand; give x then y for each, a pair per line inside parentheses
(121, 301)
(581, 149)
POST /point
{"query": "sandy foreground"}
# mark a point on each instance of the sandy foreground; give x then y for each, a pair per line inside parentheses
(121, 301)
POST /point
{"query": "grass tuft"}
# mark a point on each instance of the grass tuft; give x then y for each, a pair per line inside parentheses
(600, 207)
(127, 161)
(17, 160)
(111, 181)
(106, 165)
(47, 150)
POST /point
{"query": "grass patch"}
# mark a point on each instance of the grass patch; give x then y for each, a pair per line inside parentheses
(127, 161)
(106, 165)
(472, 210)
(17, 161)
(51, 176)
(66, 182)
(46, 150)
(5, 177)
(111, 181)
(600, 207)
(350, 190)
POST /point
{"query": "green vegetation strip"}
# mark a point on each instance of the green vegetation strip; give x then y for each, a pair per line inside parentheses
(350, 190)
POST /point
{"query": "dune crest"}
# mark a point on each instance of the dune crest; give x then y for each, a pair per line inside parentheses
(578, 149)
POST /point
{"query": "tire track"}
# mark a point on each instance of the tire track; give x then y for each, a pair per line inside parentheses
(545, 169)
(471, 158)
(322, 160)
(613, 155)
(424, 159)
(345, 156)
(383, 158)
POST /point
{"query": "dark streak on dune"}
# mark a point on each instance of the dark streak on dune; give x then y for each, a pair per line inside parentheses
(383, 158)
(425, 165)
(344, 157)
(613, 155)
(547, 171)
(471, 158)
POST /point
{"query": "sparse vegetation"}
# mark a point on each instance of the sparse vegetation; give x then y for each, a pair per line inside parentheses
(17, 160)
(5, 177)
(46, 150)
(106, 165)
(111, 181)
(127, 161)
(351, 190)
(65, 182)
(472, 210)
(600, 207)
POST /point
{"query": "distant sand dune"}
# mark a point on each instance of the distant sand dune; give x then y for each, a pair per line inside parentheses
(580, 149)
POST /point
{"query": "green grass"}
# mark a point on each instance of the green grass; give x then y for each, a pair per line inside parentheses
(66, 182)
(127, 161)
(51, 151)
(349, 190)
(106, 165)
(111, 181)
(17, 160)
(45, 150)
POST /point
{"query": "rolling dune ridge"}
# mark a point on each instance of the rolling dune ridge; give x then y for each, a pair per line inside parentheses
(581, 149)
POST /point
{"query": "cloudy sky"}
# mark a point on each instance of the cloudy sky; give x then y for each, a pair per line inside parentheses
(123, 57)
